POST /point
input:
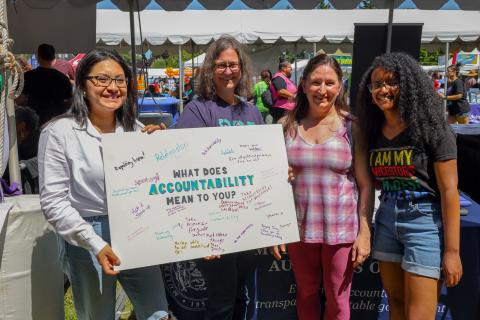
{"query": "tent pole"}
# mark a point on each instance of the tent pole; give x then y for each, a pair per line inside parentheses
(295, 49)
(445, 82)
(193, 58)
(132, 47)
(180, 82)
(388, 48)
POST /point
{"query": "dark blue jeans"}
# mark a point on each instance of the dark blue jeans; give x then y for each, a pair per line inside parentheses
(231, 286)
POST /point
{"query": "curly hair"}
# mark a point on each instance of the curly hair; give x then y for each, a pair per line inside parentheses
(420, 106)
(204, 86)
(292, 119)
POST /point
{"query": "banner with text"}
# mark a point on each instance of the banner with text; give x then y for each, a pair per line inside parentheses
(189, 193)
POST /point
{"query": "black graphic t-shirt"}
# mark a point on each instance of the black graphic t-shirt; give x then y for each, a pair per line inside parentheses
(405, 171)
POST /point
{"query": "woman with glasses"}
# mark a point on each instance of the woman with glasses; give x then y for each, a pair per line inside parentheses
(221, 86)
(412, 156)
(332, 190)
(72, 190)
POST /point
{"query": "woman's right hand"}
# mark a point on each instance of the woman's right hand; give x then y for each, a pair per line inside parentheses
(277, 251)
(212, 257)
(291, 174)
(107, 259)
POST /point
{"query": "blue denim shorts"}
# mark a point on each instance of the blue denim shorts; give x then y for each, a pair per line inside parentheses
(410, 233)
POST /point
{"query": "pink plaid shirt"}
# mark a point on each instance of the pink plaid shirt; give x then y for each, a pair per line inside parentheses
(324, 188)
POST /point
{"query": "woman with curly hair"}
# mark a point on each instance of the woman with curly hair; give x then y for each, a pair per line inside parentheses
(332, 190)
(412, 156)
(222, 84)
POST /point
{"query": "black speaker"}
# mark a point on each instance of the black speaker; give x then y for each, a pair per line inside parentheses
(370, 41)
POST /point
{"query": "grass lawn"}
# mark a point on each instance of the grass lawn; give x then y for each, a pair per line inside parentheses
(127, 313)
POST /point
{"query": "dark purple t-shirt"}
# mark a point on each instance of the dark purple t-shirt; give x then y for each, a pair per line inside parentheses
(218, 113)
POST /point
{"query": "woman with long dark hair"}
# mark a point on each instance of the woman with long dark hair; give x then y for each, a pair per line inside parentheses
(412, 155)
(72, 189)
(332, 190)
(221, 86)
(457, 104)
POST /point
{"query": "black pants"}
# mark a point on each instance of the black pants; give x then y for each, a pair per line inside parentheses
(231, 286)
(277, 113)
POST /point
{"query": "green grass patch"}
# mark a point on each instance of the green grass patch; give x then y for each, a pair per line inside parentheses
(69, 308)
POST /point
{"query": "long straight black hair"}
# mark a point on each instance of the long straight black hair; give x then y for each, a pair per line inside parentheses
(80, 104)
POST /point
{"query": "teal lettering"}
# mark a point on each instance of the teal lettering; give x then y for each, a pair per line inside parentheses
(194, 185)
(153, 189)
(224, 123)
(161, 187)
(178, 186)
(210, 184)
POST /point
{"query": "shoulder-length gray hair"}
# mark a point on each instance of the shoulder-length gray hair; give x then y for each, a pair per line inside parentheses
(204, 86)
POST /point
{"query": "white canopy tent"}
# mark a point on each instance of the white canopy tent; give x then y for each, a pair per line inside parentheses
(266, 39)
(250, 26)
(70, 24)
(196, 61)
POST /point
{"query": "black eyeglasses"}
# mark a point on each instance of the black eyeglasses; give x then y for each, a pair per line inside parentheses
(105, 81)
(222, 67)
(379, 85)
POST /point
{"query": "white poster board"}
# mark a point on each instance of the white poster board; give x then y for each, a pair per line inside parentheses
(189, 193)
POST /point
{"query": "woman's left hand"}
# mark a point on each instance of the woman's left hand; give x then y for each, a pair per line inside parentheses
(154, 127)
(360, 249)
(452, 268)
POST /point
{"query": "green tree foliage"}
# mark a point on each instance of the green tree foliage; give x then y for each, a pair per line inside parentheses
(162, 62)
(366, 4)
(324, 4)
(429, 58)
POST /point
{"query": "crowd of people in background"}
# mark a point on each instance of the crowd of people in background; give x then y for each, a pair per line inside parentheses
(334, 169)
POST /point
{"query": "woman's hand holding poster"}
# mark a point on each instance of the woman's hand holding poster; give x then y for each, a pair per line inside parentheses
(189, 193)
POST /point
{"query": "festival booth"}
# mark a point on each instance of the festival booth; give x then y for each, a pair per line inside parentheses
(266, 39)
(31, 285)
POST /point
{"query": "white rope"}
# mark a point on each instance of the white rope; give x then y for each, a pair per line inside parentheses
(11, 71)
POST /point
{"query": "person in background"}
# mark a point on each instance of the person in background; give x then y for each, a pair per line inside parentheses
(332, 189)
(188, 93)
(436, 80)
(72, 190)
(66, 68)
(283, 91)
(412, 156)
(457, 104)
(27, 138)
(470, 80)
(258, 90)
(173, 92)
(46, 90)
(156, 88)
(162, 86)
(223, 79)
(28, 132)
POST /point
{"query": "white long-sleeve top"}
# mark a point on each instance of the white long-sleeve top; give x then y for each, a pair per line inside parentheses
(72, 180)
